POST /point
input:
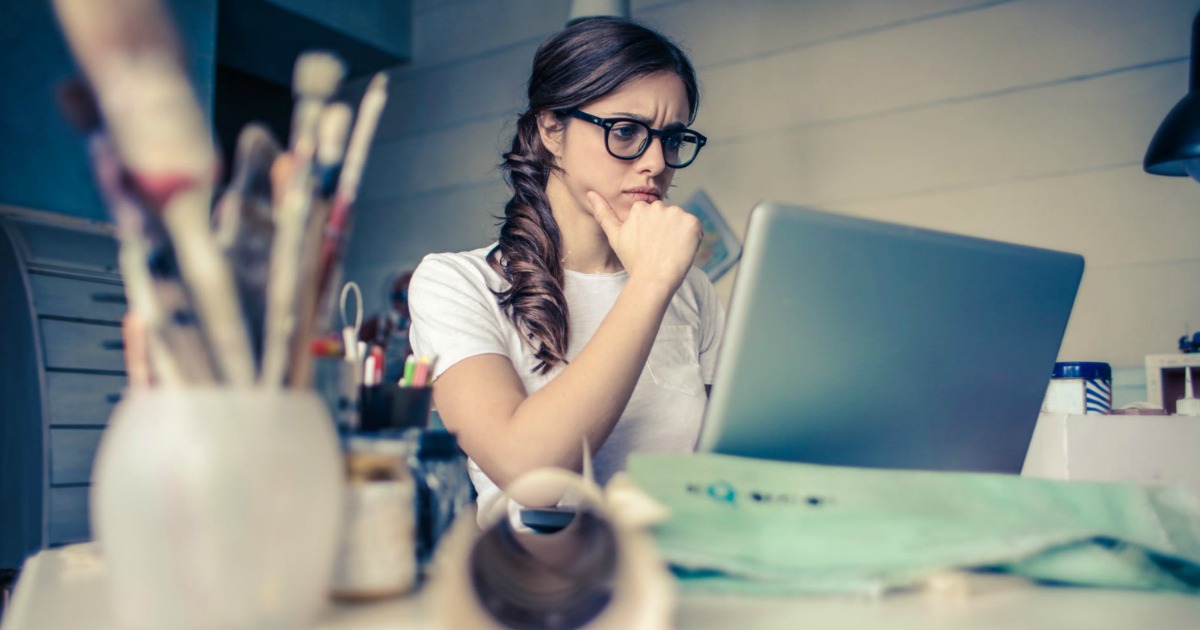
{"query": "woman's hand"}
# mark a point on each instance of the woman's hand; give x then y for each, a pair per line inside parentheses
(656, 242)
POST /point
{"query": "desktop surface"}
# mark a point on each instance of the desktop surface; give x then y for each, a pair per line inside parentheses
(66, 588)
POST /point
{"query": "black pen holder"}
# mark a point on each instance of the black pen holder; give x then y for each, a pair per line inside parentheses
(390, 407)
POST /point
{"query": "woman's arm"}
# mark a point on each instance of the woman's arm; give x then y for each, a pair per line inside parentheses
(508, 432)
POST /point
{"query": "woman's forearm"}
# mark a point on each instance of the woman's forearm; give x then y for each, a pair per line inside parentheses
(587, 398)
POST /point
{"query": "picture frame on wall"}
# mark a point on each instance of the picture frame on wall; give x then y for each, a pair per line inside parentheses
(719, 249)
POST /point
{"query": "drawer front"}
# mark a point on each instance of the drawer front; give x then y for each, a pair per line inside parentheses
(68, 297)
(69, 515)
(82, 398)
(77, 346)
(63, 246)
(72, 452)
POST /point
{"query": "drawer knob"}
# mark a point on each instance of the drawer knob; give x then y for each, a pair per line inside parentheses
(113, 398)
(109, 298)
(112, 344)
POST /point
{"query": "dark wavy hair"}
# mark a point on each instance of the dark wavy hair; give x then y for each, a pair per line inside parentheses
(578, 65)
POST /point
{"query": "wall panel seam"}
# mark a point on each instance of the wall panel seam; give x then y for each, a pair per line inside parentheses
(938, 190)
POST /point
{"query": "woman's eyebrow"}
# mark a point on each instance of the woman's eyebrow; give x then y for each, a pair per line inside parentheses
(637, 117)
(647, 121)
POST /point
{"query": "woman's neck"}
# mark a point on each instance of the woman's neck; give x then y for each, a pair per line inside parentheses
(585, 248)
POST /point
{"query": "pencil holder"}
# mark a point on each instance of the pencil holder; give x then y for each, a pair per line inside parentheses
(391, 407)
(218, 508)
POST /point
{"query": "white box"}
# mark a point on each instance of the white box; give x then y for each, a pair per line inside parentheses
(1149, 450)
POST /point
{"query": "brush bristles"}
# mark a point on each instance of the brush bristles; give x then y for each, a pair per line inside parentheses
(317, 74)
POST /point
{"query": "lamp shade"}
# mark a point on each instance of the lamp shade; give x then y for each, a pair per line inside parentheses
(1175, 148)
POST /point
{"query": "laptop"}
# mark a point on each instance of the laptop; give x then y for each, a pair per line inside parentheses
(854, 342)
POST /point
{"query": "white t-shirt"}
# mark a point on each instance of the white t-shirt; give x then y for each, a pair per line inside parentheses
(455, 316)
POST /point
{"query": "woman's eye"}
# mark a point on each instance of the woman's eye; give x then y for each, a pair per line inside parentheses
(626, 132)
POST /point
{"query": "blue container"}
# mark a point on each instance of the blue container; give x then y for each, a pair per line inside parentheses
(1080, 387)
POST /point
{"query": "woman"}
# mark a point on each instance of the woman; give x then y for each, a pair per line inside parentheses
(585, 321)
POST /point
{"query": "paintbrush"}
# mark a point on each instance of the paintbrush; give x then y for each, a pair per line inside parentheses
(245, 226)
(332, 129)
(341, 217)
(131, 55)
(316, 78)
(157, 299)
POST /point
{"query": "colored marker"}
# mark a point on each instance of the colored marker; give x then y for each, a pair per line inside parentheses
(410, 366)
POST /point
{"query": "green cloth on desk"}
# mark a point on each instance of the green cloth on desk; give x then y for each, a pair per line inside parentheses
(747, 525)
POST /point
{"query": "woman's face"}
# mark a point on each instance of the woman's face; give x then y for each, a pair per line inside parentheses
(660, 100)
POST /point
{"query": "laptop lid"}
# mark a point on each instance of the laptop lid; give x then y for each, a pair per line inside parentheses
(861, 343)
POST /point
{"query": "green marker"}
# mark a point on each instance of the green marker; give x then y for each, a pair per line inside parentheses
(410, 366)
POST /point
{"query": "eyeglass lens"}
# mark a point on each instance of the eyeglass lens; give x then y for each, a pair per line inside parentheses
(628, 139)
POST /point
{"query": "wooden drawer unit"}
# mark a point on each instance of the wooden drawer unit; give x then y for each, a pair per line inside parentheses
(50, 243)
(72, 451)
(82, 399)
(68, 518)
(77, 299)
(82, 346)
(64, 370)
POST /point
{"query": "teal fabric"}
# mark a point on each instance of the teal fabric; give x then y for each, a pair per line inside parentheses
(759, 526)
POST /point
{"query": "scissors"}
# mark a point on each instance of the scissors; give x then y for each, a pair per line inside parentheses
(350, 333)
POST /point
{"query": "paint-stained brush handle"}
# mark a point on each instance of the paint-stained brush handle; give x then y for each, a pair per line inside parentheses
(132, 57)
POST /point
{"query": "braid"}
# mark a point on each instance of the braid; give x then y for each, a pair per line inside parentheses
(528, 251)
(578, 65)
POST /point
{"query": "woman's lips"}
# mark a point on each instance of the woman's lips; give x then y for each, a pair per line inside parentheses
(647, 197)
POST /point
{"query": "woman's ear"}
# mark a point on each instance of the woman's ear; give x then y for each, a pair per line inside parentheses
(550, 128)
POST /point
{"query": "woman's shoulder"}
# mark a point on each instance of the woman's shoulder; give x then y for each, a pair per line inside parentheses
(457, 267)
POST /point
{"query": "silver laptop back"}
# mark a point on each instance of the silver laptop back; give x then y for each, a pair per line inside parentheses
(860, 343)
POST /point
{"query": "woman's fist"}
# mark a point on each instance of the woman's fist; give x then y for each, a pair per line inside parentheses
(655, 242)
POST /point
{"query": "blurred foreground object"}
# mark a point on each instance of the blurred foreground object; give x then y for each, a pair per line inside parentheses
(218, 508)
(240, 305)
(218, 483)
(600, 571)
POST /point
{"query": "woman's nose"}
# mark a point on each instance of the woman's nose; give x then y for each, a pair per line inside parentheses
(652, 160)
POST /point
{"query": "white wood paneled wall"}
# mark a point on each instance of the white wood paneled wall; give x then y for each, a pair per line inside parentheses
(1019, 120)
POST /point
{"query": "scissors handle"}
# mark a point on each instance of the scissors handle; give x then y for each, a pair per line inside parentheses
(350, 333)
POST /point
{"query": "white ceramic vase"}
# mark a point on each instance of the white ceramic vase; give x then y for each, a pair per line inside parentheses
(218, 508)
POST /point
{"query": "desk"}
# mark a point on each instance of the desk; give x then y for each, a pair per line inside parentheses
(65, 589)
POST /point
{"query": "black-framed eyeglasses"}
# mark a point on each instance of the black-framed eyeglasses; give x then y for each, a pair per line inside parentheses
(627, 139)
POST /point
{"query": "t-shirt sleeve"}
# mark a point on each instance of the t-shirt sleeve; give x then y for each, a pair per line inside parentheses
(712, 327)
(454, 314)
